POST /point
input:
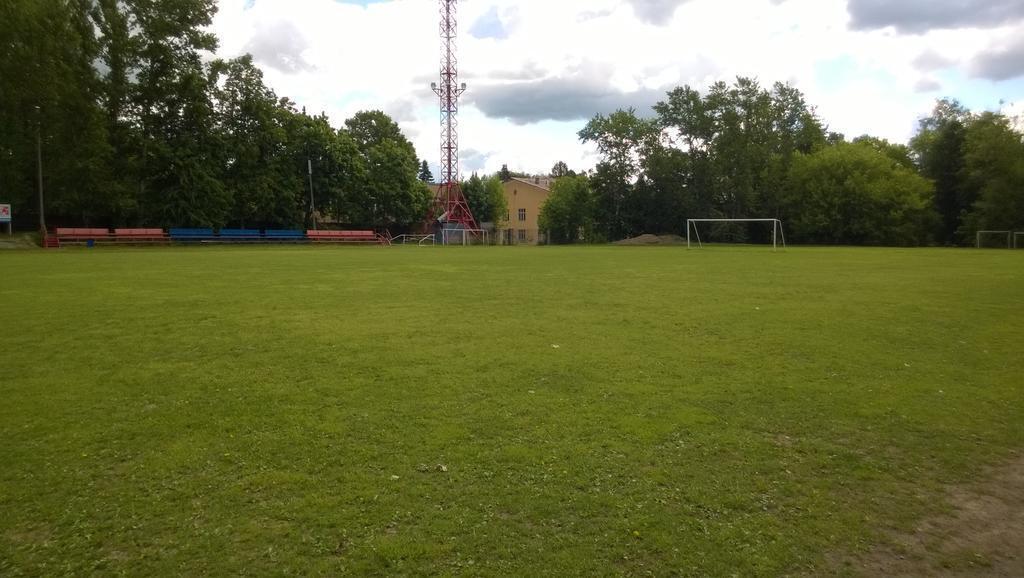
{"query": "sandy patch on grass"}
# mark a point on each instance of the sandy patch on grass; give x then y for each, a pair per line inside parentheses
(19, 241)
(983, 535)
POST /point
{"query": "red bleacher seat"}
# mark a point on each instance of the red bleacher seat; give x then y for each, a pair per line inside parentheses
(343, 236)
(80, 234)
(140, 236)
(139, 233)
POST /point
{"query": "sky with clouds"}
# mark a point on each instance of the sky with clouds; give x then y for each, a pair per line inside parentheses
(538, 69)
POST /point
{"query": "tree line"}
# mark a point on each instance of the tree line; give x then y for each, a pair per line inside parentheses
(747, 151)
(137, 124)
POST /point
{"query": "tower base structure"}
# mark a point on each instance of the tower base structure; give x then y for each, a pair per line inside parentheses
(450, 209)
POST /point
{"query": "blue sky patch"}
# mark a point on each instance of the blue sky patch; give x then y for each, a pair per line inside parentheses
(979, 93)
(489, 26)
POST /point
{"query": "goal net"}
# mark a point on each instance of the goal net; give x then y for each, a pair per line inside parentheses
(461, 236)
(994, 239)
(693, 230)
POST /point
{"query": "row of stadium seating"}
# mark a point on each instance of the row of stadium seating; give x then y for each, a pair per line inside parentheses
(65, 236)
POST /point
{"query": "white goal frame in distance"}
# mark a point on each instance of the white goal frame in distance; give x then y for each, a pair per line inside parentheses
(1015, 236)
(777, 232)
(447, 234)
(1010, 239)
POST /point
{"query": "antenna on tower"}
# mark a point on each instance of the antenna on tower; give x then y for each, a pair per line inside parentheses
(449, 209)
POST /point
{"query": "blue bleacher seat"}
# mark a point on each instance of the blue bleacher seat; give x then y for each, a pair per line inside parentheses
(191, 234)
(284, 235)
(239, 234)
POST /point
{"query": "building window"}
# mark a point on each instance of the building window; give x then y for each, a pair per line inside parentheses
(522, 214)
(522, 234)
(507, 215)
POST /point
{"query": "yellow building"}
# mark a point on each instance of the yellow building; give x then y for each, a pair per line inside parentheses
(524, 197)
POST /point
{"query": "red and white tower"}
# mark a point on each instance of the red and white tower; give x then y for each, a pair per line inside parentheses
(449, 208)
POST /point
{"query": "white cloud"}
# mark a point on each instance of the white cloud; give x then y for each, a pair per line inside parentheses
(928, 84)
(279, 45)
(1015, 110)
(1003, 60)
(341, 57)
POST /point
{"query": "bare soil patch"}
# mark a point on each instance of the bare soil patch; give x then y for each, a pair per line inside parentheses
(17, 241)
(982, 536)
(654, 240)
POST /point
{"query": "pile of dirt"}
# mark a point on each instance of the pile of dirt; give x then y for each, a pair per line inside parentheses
(654, 240)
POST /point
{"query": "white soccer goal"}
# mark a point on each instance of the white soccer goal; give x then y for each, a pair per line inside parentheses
(464, 237)
(1008, 234)
(778, 235)
(1016, 240)
(421, 240)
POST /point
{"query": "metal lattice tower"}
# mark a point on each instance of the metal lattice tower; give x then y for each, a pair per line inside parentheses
(449, 206)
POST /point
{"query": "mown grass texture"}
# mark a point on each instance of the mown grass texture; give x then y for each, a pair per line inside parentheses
(482, 411)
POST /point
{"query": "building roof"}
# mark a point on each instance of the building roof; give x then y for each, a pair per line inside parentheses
(539, 182)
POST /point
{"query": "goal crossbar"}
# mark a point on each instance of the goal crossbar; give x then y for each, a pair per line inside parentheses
(448, 234)
(777, 231)
(1009, 237)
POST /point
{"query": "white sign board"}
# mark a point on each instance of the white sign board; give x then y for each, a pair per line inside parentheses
(5, 213)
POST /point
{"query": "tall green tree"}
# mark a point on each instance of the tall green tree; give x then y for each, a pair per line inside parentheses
(157, 49)
(560, 169)
(119, 52)
(939, 150)
(724, 153)
(857, 194)
(497, 203)
(473, 190)
(622, 138)
(425, 175)
(666, 194)
(183, 178)
(568, 213)
(993, 173)
(616, 215)
(50, 91)
(486, 198)
(392, 194)
(740, 141)
(339, 169)
(138, 126)
(901, 154)
(264, 187)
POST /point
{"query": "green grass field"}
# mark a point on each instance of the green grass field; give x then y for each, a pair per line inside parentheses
(486, 411)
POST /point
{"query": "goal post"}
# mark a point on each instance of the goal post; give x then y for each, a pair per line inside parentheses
(778, 234)
(462, 236)
(1010, 238)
